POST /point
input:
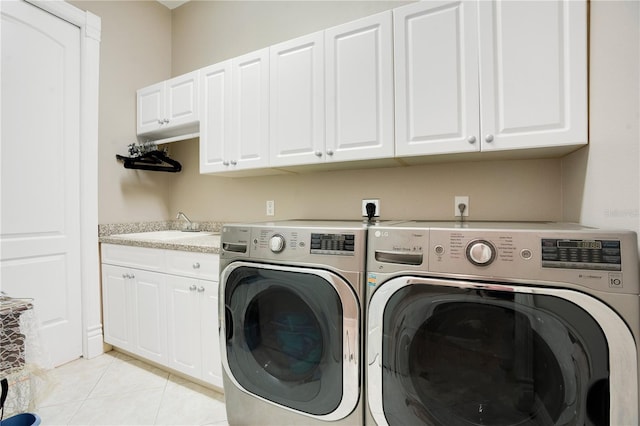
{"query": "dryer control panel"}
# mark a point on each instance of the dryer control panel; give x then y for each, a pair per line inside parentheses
(340, 244)
(334, 244)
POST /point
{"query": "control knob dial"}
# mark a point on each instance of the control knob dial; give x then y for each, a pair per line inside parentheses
(277, 243)
(481, 252)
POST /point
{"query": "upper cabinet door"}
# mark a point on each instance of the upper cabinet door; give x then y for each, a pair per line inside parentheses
(216, 150)
(297, 101)
(533, 73)
(359, 89)
(251, 110)
(169, 108)
(436, 76)
(234, 131)
(182, 100)
(150, 108)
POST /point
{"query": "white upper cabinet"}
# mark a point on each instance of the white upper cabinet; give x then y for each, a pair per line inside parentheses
(359, 89)
(250, 117)
(533, 74)
(297, 101)
(332, 95)
(234, 132)
(151, 108)
(169, 108)
(430, 77)
(215, 129)
(490, 75)
(436, 76)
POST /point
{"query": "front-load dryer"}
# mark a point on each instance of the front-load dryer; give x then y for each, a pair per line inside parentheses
(502, 324)
(290, 302)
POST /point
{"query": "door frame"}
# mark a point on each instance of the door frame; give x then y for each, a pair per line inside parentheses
(90, 31)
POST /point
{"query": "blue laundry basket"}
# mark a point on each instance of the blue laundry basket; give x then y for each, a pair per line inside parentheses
(24, 419)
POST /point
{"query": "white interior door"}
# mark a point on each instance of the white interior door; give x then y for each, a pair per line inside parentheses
(40, 221)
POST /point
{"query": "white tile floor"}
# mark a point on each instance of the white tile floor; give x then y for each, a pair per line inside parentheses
(115, 389)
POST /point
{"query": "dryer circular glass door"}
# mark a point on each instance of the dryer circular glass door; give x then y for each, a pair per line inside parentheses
(291, 337)
(459, 353)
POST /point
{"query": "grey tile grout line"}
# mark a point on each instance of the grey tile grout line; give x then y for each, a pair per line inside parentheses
(110, 365)
(164, 390)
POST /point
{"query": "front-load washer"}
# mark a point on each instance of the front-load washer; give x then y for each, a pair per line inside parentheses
(502, 324)
(290, 313)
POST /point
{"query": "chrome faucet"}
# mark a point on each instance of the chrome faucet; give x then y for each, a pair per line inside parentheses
(189, 226)
(184, 216)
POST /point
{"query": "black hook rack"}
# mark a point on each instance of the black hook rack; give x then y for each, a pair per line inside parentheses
(148, 157)
(154, 160)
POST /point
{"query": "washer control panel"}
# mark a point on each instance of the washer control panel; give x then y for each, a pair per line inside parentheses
(537, 252)
(581, 254)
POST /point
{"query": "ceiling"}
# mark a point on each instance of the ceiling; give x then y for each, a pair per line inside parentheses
(172, 4)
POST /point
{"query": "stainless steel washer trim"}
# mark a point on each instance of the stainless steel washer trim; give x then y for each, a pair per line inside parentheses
(622, 348)
(351, 337)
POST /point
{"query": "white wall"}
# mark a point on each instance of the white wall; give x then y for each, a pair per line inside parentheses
(498, 190)
(135, 51)
(601, 183)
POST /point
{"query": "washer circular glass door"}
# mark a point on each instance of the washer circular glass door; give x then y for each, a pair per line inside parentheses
(291, 337)
(459, 353)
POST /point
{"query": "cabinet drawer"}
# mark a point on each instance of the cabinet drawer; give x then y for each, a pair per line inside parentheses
(134, 257)
(198, 265)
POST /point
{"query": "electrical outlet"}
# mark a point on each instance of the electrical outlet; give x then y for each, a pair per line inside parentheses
(364, 207)
(457, 202)
(271, 207)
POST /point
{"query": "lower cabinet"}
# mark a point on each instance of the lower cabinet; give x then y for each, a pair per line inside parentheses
(134, 303)
(193, 344)
(167, 315)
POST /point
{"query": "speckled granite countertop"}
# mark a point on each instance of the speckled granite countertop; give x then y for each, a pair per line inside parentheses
(154, 235)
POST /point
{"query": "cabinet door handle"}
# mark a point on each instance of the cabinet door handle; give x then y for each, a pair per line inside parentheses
(318, 154)
(125, 276)
(329, 152)
(489, 138)
(200, 289)
(192, 287)
(196, 265)
(166, 121)
(132, 276)
(234, 162)
(471, 139)
(160, 122)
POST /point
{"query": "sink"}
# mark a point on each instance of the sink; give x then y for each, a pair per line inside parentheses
(170, 235)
